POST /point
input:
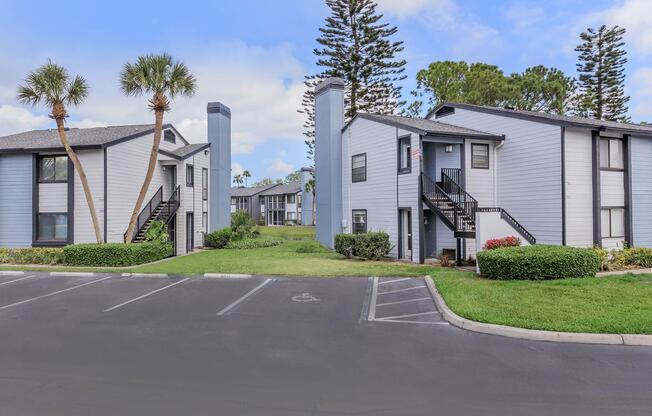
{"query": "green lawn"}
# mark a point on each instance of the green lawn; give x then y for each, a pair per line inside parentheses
(296, 232)
(283, 260)
(617, 304)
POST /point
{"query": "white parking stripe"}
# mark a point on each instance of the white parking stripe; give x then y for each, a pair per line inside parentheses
(144, 296)
(403, 301)
(407, 316)
(55, 293)
(395, 280)
(242, 298)
(16, 280)
(374, 298)
(401, 290)
(413, 322)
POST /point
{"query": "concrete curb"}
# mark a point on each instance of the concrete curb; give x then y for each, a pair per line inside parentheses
(74, 274)
(624, 272)
(11, 273)
(228, 275)
(532, 334)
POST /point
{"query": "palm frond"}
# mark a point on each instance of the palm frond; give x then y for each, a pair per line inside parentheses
(181, 81)
(50, 84)
(76, 91)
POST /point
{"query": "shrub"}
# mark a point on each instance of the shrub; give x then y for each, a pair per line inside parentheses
(115, 254)
(33, 255)
(637, 256)
(372, 245)
(345, 244)
(511, 241)
(310, 247)
(249, 243)
(538, 262)
(220, 238)
(242, 226)
(158, 232)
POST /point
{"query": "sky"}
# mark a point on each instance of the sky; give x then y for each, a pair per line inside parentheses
(252, 56)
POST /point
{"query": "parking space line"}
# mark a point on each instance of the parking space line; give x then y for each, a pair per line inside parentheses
(395, 280)
(403, 301)
(55, 293)
(16, 280)
(401, 290)
(372, 302)
(408, 315)
(243, 297)
(144, 296)
(413, 322)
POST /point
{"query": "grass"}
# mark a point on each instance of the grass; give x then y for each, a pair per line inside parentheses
(283, 260)
(296, 232)
(617, 304)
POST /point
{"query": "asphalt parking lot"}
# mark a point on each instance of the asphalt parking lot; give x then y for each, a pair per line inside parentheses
(111, 345)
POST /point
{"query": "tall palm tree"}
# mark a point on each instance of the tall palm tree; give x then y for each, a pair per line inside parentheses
(246, 175)
(51, 85)
(311, 186)
(163, 78)
(237, 179)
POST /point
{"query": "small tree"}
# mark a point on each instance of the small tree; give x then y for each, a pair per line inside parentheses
(246, 175)
(164, 79)
(51, 85)
(238, 180)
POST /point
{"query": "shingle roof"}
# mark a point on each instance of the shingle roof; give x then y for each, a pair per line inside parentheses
(551, 118)
(185, 151)
(250, 191)
(427, 127)
(290, 188)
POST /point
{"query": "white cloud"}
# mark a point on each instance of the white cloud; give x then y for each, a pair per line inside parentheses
(524, 17)
(86, 123)
(236, 169)
(279, 167)
(16, 119)
(406, 8)
(641, 84)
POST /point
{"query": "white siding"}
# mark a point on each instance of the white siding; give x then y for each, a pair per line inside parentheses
(445, 237)
(612, 184)
(479, 183)
(529, 170)
(579, 188)
(93, 163)
(641, 170)
(16, 200)
(53, 197)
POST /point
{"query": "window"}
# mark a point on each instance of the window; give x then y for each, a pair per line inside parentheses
(613, 222)
(204, 221)
(242, 203)
(190, 175)
(204, 184)
(611, 154)
(52, 227)
(169, 136)
(291, 198)
(479, 156)
(299, 201)
(292, 216)
(404, 154)
(53, 169)
(232, 200)
(359, 221)
(359, 168)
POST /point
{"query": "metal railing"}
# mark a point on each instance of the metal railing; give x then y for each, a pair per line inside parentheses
(171, 206)
(512, 221)
(457, 194)
(455, 174)
(453, 209)
(146, 212)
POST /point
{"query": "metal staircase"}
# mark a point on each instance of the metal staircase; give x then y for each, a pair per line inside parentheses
(156, 210)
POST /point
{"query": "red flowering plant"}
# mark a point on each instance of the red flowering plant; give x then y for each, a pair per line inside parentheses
(511, 241)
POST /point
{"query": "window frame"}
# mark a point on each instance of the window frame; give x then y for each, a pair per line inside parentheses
(364, 179)
(37, 237)
(294, 199)
(204, 221)
(408, 168)
(54, 157)
(204, 184)
(473, 164)
(167, 134)
(190, 176)
(353, 223)
(610, 210)
(609, 167)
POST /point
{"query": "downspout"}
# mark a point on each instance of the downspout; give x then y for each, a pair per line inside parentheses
(495, 173)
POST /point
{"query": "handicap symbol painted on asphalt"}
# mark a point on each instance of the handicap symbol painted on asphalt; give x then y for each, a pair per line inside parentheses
(304, 297)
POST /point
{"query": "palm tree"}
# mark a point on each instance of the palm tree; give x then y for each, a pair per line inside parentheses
(310, 187)
(237, 179)
(164, 79)
(246, 175)
(51, 85)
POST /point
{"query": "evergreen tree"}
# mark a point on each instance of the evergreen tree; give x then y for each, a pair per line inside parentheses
(602, 74)
(357, 46)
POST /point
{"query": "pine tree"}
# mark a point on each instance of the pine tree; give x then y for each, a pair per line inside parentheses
(602, 74)
(356, 46)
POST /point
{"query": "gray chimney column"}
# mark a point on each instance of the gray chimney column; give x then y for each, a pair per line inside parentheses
(219, 182)
(306, 197)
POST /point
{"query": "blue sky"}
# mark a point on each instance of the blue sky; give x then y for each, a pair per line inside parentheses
(252, 55)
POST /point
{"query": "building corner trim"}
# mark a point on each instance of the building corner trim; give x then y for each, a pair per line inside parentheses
(597, 205)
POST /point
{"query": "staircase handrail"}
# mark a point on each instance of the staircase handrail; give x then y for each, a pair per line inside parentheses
(146, 212)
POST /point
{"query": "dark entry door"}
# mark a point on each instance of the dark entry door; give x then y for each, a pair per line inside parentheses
(173, 179)
(190, 231)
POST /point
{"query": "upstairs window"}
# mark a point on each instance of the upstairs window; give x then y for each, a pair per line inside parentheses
(359, 168)
(204, 184)
(404, 154)
(168, 136)
(291, 198)
(611, 154)
(359, 223)
(479, 156)
(190, 175)
(53, 169)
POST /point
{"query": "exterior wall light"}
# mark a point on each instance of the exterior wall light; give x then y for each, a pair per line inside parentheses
(449, 148)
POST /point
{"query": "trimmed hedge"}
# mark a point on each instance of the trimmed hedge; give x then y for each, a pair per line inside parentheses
(345, 244)
(371, 245)
(115, 254)
(220, 238)
(538, 262)
(34, 255)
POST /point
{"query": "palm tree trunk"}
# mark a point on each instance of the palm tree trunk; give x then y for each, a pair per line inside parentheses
(153, 157)
(82, 177)
(313, 208)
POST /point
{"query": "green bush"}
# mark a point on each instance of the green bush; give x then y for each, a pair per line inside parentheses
(306, 247)
(219, 239)
(249, 243)
(158, 232)
(636, 256)
(243, 226)
(372, 245)
(33, 255)
(115, 254)
(538, 262)
(345, 244)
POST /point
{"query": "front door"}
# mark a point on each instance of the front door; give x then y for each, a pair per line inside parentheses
(406, 234)
(173, 179)
(190, 231)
